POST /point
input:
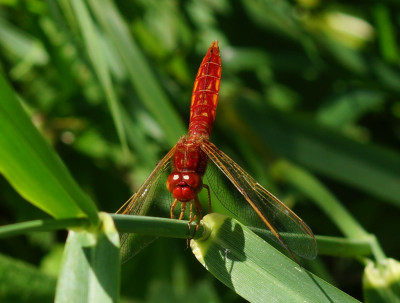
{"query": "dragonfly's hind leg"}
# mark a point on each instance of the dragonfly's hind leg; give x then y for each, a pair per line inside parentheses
(199, 213)
(191, 213)
(191, 217)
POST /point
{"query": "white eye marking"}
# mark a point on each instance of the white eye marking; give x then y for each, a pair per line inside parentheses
(175, 177)
(186, 177)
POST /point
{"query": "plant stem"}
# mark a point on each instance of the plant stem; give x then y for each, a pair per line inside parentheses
(41, 225)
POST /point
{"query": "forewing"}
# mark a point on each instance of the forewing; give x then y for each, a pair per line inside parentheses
(152, 198)
(287, 228)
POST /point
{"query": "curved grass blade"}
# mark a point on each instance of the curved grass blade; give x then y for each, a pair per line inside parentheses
(254, 269)
(372, 169)
(140, 74)
(99, 62)
(33, 168)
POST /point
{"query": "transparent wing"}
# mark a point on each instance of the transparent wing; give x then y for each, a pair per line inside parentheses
(141, 203)
(286, 227)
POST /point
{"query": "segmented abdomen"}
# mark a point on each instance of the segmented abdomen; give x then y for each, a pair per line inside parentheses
(205, 93)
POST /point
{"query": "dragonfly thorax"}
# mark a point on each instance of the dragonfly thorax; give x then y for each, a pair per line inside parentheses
(189, 157)
(184, 186)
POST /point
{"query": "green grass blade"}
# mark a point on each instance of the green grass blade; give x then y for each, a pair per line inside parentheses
(369, 168)
(254, 269)
(98, 58)
(140, 74)
(32, 167)
(317, 192)
(314, 189)
(91, 266)
(335, 246)
(386, 32)
(26, 48)
(41, 225)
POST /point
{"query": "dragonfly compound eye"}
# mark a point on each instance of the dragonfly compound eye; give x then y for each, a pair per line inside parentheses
(184, 186)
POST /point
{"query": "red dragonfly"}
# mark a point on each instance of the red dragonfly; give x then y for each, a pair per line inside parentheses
(193, 155)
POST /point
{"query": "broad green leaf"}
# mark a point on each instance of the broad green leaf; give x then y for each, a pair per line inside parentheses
(91, 265)
(254, 269)
(31, 165)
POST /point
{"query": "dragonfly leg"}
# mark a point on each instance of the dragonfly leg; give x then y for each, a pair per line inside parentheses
(190, 212)
(190, 219)
(199, 213)
(209, 197)
(173, 208)
(183, 208)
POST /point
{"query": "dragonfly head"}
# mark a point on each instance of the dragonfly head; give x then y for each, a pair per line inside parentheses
(184, 186)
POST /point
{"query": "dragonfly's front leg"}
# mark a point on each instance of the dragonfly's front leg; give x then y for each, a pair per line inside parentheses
(183, 208)
(173, 208)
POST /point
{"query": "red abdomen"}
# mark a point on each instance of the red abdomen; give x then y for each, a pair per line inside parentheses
(205, 94)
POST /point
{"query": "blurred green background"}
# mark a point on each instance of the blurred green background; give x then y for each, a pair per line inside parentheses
(316, 83)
